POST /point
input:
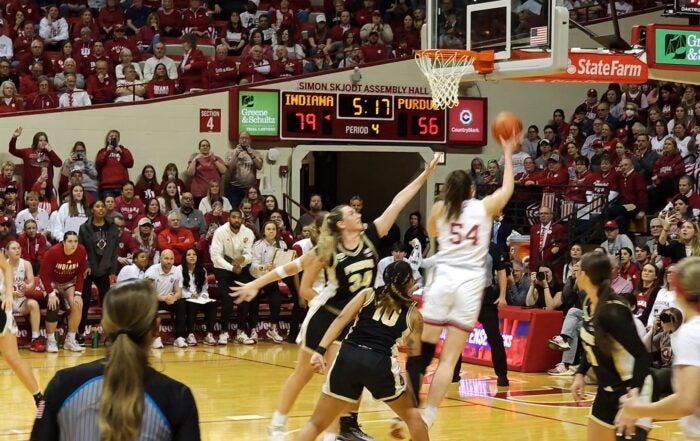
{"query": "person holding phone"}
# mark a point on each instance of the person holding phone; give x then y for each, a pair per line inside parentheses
(113, 163)
(243, 162)
(38, 160)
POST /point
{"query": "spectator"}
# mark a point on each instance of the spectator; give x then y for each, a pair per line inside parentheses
(161, 85)
(221, 71)
(159, 57)
(29, 84)
(547, 240)
(113, 163)
(271, 205)
(53, 29)
(154, 215)
(633, 95)
(83, 45)
(136, 17)
(603, 113)
(685, 142)
(39, 159)
(146, 239)
(72, 214)
(11, 101)
(597, 135)
(170, 19)
(416, 231)
(23, 41)
(231, 253)
(256, 68)
(129, 89)
(73, 8)
(614, 101)
(12, 203)
(116, 45)
(101, 85)
(545, 289)
(77, 160)
(687, 243)
(86, 21)
(111, 17)
(192, 218)
(36, 55)
(195, 20)
(667, 172)
(205, 204)
(249, 220)
(65, 52)
(33, 212)
(130, 206)
(6, 236)
(660, 136)
(277, 217)
(110, 205)
(62, 274)
(374, 50)
(6, 48)
(546, 151)
(242, 162)
(307, 218)
(628, 269)
(74, 96)
(398, 253)
(618, 283)
(6, 74)
(567, 340)
(633, 201)
(518, 285)
(147, 186)
(614, 240)
(217, 216)
(685, 188)
(172, 174)
(646, 291)
(33, 245)
(581, 185)
(192, 69)
(136, 270)
(644, 157)
(169, 199)
(575, 254)
(88, 65)
(126, 59)
(236, 36)
(167, 281)
(319, 37)
(283, 17)
(269, 34)
(175, 237)
(256, 39)
(195, 286)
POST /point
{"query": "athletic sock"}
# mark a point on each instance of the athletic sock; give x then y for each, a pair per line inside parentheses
(429, 415)
(327, 436)
(52, 337)
(278, 419)
(71, 336)
(35, 335)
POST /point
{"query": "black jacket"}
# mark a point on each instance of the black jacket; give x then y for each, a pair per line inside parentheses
(100, 265)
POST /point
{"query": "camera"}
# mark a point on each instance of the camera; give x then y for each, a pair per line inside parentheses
(665, 317)
(113, 142)
(79, 156)
(541, 276)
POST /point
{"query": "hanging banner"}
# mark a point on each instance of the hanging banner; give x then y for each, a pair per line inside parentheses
(598, 68)
(673, 47)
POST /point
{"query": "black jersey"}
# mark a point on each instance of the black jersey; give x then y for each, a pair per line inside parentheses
(354, 270)
(628, 363)
(378, 329)
(72, 407)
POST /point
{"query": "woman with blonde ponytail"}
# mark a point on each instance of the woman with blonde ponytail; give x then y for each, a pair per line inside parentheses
(120, 398)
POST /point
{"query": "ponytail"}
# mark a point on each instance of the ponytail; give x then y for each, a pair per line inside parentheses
(328, 239)
(129, 317)
(394, 296)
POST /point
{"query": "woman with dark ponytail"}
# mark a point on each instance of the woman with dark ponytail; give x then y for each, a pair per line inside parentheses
(368, 356)
(120, 398)
(612, 348)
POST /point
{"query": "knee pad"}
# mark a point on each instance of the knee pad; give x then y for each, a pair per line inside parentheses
(52, 315)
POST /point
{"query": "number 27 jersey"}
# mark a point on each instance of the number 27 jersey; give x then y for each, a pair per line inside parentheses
(464, 242)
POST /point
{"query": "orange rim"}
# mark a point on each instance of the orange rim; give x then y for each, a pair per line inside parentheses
(483, 60)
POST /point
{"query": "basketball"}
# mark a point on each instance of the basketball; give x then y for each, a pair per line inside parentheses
(505, 125)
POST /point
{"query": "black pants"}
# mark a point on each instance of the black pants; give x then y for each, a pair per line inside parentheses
(274, 300)
(298, 313)
(225, 280)
(209, 315)
(488, 317)
(102, 283)
(179, 310)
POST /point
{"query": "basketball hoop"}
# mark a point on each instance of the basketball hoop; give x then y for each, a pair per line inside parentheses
(444, 69)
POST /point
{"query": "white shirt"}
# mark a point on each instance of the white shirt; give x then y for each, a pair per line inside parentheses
(41, 218)
(190, 289)
(686, 352)
(657, 145)
(205, 205)
(464, 242)
(165, 283)
(149, 67)
(55, 31)
(119, 71)
(65, 222)
(232, 245)
(131, 272)
(6, 48)
(74, 98)
(518, 162)
(665, 298)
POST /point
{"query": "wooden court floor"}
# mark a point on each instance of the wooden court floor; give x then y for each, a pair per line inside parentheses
(236, 389)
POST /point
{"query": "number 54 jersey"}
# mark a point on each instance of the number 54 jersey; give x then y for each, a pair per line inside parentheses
(463, 243)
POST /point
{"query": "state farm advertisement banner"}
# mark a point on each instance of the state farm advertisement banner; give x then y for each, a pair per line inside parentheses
(598, 68)
(467, 122)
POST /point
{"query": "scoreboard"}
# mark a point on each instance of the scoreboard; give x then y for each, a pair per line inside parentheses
(331, 116)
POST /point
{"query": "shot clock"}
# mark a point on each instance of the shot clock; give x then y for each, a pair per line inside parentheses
(360, 117)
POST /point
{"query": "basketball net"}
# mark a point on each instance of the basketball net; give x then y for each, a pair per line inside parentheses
(444, 68)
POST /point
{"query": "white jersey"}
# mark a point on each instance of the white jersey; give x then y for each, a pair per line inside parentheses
(20, 274)
(464, 242)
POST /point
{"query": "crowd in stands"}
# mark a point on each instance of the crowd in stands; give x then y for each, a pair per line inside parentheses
(82, 52)
(625, 159)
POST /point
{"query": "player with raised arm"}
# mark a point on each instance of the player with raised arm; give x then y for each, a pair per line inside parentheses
(452, 299)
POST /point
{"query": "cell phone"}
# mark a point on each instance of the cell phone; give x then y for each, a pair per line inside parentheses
(113, 142)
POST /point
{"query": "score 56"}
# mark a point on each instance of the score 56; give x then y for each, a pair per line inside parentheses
(428, 125)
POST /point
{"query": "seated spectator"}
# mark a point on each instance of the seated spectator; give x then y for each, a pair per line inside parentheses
(668, 170)
(283, 17)
(195, 20)
(6, 227)
(136, 270)
(149, 35)
(167, 281)
(270, 206)
(236, 36)
(23, 40)
(403, 50)
(74, 96)
(170, 19)
(10, 101)
(364, 15)
(319, 36)
(644, 157)
(685, 188)
(73, 8)
(7, 75)
(545, 289)
(614, 240)
(658, 343)
(629, 269)
(408, 33)
(318, 62)
(687, 243)
(175, 237)
(222, 71)
(147, 186)
(217, 215)
(374, 50)
(171, 174)
(646, 291)
(295, 51)
(685, 142)
(11, 201)
(555, 175)
(205, 205)
(283, 66)
(102, 86)
(145, 238)
(398, 253)
(29, 84)
(126, 58)
(53, 29)
(70, 67)
(277, 216)
(118, 43)
(269, 34)
(161, 85)
(72, 214)
(159, 57)
(192, 69)
(136, 16)
(111, 16)
(633, 95)
(65, 52)
(256, 69)
(88, 65)
(129, 206)
(343, 49)
(603, 113)
(249, 219)
(86, 21)
(153, 213)
(195, 286)
(130, 88)
(36, 55)
(192, 218)
(33, 212)
(567, 340)
(6, 48)
(169, 198)
(582, 183)
(633, 201)
(339, 30)
(518, 284)
(256, 39)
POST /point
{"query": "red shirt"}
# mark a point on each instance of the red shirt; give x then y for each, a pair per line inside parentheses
(194, 75)
(59, 268)
(178, 241)
(172, 20)
(580, 185)
(115, 46)
(197, 19)
(75, 34)
(82, 50)
(132, 211)
(36, 101)
(157, 89)
(108, 18)
(30, 10)
(113, 167)
(159, 223)
(33, 250)
(374, 52)
(87, 64)
(222, 73)
(101, 91)
(634, 191)
(127, 245)
(27, 60)
(34, 161)
(285, 68)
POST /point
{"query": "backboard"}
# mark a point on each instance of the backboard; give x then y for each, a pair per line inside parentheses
(529, 37)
